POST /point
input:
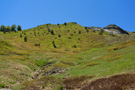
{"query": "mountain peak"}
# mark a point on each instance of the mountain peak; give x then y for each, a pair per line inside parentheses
(115, 29)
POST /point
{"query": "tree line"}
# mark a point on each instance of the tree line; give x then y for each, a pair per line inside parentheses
(4, 28)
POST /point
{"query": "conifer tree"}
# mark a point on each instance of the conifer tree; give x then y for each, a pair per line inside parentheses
(59, 35)
(79, 32)
(25, 39)
(86, 27)
(65, 24)
(52, 32)
(3, 28)
(8, 29)
(4, 32)
(19, 28)
(54, 44)
(13, 27)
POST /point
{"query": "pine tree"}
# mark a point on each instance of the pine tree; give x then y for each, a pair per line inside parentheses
(59, 35)
(25, 39)
(54, 44)
(13, 27)
(86, 27)
(52, 32)
(65, 24)
(79, 32)
(4, 32)
(19, 28)
(3, 28)
(8, 29)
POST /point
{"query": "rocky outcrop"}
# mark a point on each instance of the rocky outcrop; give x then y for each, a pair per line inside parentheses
(95, 28)
(54, 71)
(114, 29)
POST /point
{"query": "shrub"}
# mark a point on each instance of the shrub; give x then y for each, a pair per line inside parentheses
(101, 32)
(37, 44)
(2, 85)
(59, 88)
(20, 35)
(74, 46)
(41, 63)
(59, 35)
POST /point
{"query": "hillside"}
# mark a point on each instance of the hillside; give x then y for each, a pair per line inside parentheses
(69, 56)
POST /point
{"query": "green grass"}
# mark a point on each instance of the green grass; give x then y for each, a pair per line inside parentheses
(2, 85)
(94, 63)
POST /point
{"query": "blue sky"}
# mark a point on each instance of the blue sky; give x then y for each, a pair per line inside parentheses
(31, 13)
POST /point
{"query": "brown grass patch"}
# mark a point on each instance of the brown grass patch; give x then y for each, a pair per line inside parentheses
(122, 45)
(116, 58)
(109, 56)
(89, 64)
(42, 84)
(75, 82)
(117, 82)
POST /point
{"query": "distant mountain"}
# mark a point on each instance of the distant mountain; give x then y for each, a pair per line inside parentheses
(112, 28)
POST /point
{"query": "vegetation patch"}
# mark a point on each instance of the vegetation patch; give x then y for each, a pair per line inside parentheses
(2, 86)
(75, 82)
(112, 55)
(41, 63)
(117, 82)
(122, 45)
(45, 83)
(116, 58)
(89, 64)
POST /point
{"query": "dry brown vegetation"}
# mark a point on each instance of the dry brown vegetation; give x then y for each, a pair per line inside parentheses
(42, 84)
(112, 55)
(117, 82)
(75, 82)
(116, 58)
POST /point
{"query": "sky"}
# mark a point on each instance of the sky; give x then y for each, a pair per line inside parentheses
(100, 13)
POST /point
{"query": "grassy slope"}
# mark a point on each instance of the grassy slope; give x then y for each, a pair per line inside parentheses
(94, 54)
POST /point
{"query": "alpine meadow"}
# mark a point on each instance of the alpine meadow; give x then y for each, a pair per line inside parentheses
(67, 45)
(67, 57)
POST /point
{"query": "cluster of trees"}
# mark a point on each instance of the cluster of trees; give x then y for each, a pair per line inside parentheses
(4, 28)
